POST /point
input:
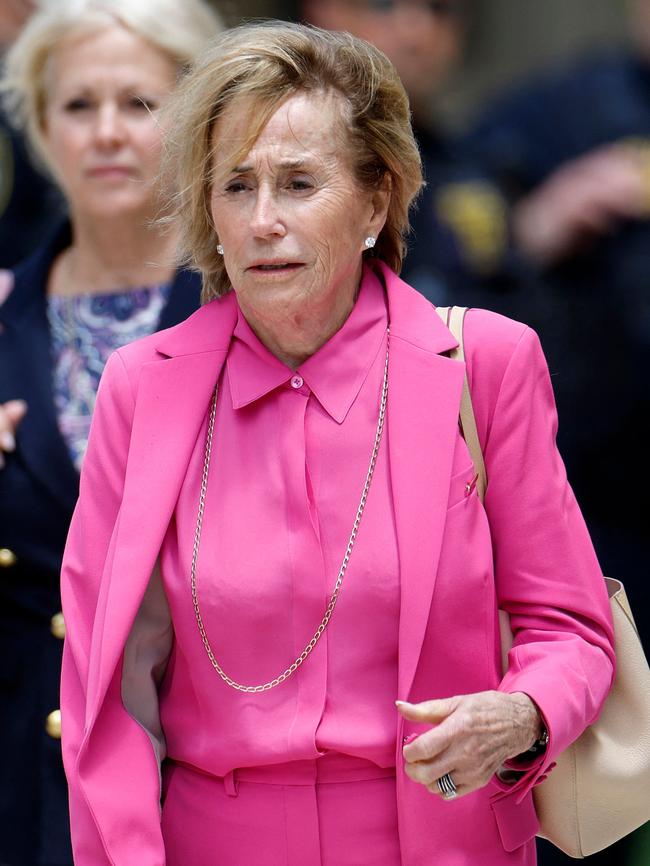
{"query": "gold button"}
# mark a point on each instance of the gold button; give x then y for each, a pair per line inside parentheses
(53, 724)
(7, 557)
(57, 626)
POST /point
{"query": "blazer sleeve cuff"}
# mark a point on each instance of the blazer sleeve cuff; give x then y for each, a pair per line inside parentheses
(519, 775)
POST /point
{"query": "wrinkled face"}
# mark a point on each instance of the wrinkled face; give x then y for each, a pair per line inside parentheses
(102, 136)
(422, 38)
(289, 214)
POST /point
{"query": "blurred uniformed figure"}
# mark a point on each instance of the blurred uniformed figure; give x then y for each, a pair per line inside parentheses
(460, 226)
(571, 153)
(29, 204)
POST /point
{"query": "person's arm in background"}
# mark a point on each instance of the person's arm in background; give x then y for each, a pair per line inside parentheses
(571, 171)
(13, 411)
(582, 200)
(11, 414)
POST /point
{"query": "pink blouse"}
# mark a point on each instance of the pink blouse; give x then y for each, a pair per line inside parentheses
(289, 460)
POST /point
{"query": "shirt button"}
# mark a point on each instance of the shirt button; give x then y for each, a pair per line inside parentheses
(297, 382)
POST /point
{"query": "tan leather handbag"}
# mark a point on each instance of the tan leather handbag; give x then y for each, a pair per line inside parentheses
(600, 789)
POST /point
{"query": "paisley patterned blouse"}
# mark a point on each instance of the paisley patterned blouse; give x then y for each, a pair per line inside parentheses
(85, 329)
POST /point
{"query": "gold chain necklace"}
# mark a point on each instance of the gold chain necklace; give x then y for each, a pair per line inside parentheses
(346, 558)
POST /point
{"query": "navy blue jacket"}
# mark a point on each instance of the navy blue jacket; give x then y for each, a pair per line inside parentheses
(38, 491)
(592, 310)
(30, 205)
(460, 234)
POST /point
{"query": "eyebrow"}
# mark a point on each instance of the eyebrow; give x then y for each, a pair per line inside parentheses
(85, 89)
(287, 163)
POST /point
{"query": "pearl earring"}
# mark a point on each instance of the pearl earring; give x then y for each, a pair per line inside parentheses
(220, 249)
(370, 242)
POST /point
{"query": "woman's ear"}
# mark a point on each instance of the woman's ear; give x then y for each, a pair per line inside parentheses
(380, 203)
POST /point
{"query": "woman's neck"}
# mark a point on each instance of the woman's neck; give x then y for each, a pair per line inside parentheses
(293, 346)
(113, 255)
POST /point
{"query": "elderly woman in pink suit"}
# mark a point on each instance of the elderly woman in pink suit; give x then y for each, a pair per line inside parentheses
(279, 536)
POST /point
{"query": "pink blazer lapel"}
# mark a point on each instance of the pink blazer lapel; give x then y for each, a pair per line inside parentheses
(422, 422)
(173, 398)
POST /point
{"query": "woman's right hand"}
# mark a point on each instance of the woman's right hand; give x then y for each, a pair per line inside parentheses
(11, 414)
(586, 198)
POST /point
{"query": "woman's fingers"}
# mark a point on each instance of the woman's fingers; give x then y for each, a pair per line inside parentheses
(11, 414)
(427, 772)
(427, 711)
(471, 737)
(467, 774)
(430, 755)
(447, 753)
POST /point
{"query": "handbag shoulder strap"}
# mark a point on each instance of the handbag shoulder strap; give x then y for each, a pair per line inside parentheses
(453, 317)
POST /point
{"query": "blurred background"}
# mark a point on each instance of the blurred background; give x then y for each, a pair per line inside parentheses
(534, 125)
(509, 39)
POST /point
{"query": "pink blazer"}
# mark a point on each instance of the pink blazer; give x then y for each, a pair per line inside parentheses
(527, 551)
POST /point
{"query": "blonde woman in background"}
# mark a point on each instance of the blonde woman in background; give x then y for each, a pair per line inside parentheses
(86, 80)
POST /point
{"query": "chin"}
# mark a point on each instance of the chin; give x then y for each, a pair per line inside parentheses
(273, 301)
(119, 206)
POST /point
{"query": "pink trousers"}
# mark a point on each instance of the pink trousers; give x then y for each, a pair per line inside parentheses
(336, 811)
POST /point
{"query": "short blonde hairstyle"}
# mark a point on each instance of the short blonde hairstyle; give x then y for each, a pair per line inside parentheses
(266, 63)
(179, 28)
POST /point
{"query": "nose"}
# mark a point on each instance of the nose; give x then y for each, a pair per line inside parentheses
(266, 219)
(109, 130)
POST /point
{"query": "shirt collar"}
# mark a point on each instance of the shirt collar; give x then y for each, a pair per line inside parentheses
(334, 374)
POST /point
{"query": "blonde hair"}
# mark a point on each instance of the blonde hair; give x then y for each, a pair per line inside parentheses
(265, 63)
(180, 29)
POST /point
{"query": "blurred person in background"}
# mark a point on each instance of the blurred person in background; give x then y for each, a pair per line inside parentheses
(571, 154)
(28, 203)
(571, 151)
(85, 79)
(459, 228)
